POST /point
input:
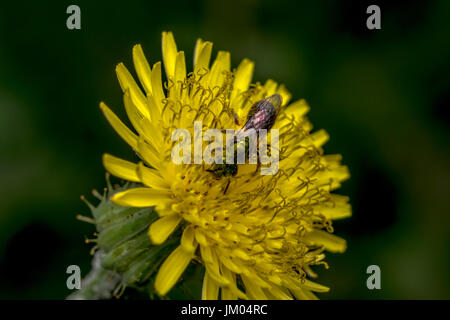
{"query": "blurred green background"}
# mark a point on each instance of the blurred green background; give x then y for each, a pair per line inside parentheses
(382, 95)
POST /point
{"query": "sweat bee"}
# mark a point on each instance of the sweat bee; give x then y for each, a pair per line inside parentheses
(262, 115)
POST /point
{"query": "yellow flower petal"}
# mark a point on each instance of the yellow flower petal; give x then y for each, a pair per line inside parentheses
(253, 291)
(141, 197)
(338, 212)
(201, 238)
(229, 264)
(151, 133)
(210, 289)
(297, 109)
(301, 294)
(256, 280)
(120, 168)
(227, 294)
(157, 88)
(162, 228)
(331, 242)
(242, 78)
(285, 95)
(127, 82)
(202, 55)
(207, 253)
(231, 291)
(149, 154)
(277, 293)
(171, 270)
(293, 112)
(212, 265)
(169, 51)
(155, 112)
(142, 68)
(198, 47)
(151, 178)
(221, 64)
(188, 241)
(270, 86)
(118, 125)
(319, 137)
(180, 67)
(312, 286)
(133, 113)
(240, 254)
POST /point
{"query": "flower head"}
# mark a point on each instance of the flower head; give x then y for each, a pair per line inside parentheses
(256, 235)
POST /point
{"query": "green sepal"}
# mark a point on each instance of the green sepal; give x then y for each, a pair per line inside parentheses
(147, 263)
(126, 250)
(122, 255)
(123, 228)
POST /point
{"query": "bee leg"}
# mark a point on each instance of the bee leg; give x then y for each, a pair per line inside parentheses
(258, 166)
(235, 117)
(226, 188)
(258, 163)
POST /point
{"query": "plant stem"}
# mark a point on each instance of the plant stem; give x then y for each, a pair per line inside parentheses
(98, 284)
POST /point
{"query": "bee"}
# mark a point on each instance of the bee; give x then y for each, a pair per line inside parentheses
(262, 115)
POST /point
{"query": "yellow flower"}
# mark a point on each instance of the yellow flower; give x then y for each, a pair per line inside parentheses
(257, 240)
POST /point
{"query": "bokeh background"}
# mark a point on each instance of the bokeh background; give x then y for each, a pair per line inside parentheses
(383, 96)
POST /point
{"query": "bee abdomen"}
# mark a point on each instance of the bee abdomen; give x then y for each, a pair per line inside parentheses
(263, 114)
